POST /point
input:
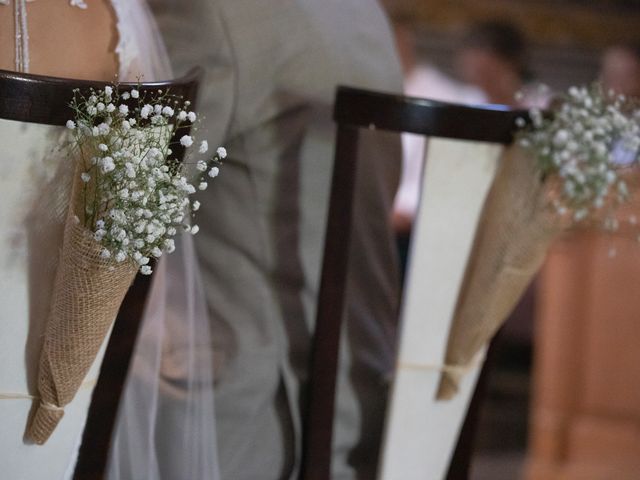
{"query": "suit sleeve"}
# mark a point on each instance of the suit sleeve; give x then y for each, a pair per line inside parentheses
(196, 35)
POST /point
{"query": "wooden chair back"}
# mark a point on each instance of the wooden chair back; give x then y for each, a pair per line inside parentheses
(45, 100)
(354, 111)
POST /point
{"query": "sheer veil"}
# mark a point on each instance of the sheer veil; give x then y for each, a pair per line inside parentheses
(166, 423)
(140, 49)
(165, 428)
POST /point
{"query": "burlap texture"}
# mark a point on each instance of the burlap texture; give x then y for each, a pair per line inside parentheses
(514, 232)
(87, 294)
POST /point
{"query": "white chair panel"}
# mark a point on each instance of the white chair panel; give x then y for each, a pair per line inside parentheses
(421, 433)
(25, 167)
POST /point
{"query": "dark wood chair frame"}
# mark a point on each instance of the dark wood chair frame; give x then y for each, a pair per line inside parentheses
(45, 100)
(354, 110)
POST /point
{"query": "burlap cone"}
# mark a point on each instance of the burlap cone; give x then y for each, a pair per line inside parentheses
(513, 235)
(87, 294)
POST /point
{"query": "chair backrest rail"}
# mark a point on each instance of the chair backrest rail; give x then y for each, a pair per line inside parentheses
(397, 113)
(45, 100)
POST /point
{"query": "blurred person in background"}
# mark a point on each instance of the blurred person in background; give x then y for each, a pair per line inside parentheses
(421, 79)
(620, 72)
(494, 57)
(620, 69)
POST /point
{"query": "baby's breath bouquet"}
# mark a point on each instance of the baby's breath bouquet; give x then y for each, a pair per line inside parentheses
(588, 150)
(570, 167)
(130, 197)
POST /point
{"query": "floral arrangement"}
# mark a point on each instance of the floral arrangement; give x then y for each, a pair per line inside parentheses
(130, 198)
(571, 168)
(135, 196)
(588, 145)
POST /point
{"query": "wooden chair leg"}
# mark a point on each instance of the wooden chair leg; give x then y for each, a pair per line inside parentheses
(460, 467)
(101, 419)
(316, 456)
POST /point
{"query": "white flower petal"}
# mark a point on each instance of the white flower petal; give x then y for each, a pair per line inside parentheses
(186, 141)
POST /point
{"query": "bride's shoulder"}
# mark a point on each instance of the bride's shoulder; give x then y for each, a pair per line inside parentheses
(67, 38)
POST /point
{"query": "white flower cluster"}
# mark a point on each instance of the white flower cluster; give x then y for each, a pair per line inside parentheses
(136, 197)
(587, 144)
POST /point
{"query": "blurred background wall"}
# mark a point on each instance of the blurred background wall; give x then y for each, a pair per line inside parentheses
(562, 398)
(566, 36)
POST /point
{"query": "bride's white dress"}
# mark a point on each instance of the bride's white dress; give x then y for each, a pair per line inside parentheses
(34, 186)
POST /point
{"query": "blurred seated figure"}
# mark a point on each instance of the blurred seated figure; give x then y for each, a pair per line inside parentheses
(493, 57)
(620, 70)
(421, 79)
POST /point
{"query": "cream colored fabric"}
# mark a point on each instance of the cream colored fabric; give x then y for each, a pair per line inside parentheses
(272, 68)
